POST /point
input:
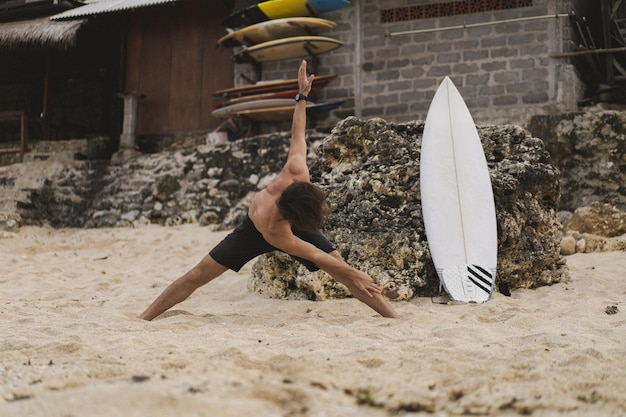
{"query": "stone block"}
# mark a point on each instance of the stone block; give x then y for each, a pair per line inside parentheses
(424, 37)
(492, 42)
(412, 50)
(475, 103)
(536, 26)
(412, 73)
(392, 75)
(493, 65)
(397, 63)
(491, 90)
(400, 86)
(439, 47)
(535, 97)
(521, 39)
(385, 99)
(516, 88)
(387, 53)
(464, 45)
(429, 84)
(373, 90)
(505, 52)
(535, 74)
(420, 107)
(479, 32)
(505, 100)
(370, 111)
(475, 55)
(521, 63)
(450, 35)
(448, 58)
(396, 109)
(534, 50)
(439, 71)
(464, 68)
(508, 28)
(506, 77)
(372, 65)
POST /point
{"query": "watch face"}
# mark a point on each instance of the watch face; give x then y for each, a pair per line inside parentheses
(301, 97)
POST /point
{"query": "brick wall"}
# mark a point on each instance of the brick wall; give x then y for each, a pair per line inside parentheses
(504, 71)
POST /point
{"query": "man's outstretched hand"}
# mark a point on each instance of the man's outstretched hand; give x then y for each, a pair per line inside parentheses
(304, 83)
(365, 283)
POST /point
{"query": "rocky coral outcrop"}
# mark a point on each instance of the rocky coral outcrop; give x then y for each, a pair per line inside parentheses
(599, 227)
(599, 219)
(590, 150)
(370, 170)
(210, 185)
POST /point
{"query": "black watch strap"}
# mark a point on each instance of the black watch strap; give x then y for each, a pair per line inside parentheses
(301, 96)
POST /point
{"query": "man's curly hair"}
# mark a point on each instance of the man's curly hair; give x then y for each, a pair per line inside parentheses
(303, 205)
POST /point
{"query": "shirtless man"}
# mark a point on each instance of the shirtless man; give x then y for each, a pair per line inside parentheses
(284, 216)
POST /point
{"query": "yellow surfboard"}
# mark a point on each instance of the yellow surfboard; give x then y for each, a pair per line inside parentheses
(287, 48)
(277, 9)
(276, 29)
(268, 10)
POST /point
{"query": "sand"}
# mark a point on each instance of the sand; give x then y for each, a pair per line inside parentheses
(72, 345)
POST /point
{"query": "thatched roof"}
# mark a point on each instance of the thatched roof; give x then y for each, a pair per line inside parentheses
(94, 7)
(39, 32)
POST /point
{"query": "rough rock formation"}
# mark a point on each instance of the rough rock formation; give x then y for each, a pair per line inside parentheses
(370, 170)
(599, 227)
(210, 185)
(599, 219)
(589, 148)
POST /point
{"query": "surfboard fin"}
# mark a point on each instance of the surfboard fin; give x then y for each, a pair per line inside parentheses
(468, 283)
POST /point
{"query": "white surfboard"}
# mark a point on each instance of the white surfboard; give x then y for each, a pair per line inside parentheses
(457, 199)
(234, 109)
(287, 48)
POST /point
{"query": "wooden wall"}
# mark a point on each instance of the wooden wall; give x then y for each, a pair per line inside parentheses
(173, 60)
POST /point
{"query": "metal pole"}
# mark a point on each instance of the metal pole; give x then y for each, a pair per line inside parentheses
(606, 32)
(473, 25)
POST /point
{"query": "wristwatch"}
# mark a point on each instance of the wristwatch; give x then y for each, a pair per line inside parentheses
(301, 96)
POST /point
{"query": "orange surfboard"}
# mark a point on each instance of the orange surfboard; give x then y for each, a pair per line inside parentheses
(272, 86)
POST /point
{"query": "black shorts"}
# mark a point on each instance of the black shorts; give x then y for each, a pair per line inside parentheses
(246, 243)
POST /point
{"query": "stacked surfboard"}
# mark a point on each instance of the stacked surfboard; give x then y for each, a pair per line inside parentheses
(270, 31)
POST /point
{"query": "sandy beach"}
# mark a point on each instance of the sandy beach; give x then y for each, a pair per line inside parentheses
(72, 344)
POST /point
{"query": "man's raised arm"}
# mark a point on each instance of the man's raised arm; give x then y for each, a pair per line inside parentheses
(296, 159)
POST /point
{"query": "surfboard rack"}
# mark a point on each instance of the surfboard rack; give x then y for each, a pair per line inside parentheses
(311, 10)
(275, 30)
(313, 64)
(314, 59)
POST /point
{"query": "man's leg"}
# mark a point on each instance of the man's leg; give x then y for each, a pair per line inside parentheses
(207, 270)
